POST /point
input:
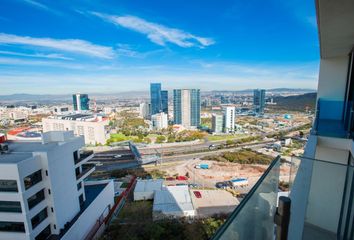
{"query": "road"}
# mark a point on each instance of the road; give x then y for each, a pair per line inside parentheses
(110, 163)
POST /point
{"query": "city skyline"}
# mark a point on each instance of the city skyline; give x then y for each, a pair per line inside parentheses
(135, 44)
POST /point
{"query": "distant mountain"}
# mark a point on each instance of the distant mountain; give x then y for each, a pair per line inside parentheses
(273, 90)
(296, 102)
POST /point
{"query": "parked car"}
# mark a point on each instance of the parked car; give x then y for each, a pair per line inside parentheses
(182, 178)
(197, 194)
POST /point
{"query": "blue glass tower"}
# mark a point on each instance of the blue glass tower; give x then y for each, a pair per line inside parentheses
(155, 96)
(259, 100)
(186, 107)
(164, 101)
(81, 102)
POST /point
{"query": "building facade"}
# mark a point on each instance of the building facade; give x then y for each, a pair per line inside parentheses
(81, 102)
(229, 119)
(144, 110)
(164, 101)
(94, 129)
(43, 193)
(155, 97)
(259, 100)
(217, 123)
(159, 121)
(186, 107)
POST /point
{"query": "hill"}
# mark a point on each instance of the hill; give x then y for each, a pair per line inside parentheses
(295, 103)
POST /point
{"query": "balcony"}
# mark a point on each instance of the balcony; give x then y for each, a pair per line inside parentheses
(254, 217)
(321, 195)
(87, 169)
(333, 119)
(84, 155)
(322, 206)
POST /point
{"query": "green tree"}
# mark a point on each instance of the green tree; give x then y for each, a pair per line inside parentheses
(160, 139)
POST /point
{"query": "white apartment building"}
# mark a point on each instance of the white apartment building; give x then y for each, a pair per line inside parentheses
(159, 121)
(229, 119)
(42, 190)
(95, 129)
(18, 114)
(322, 181)
(144, 110)
(217, 123)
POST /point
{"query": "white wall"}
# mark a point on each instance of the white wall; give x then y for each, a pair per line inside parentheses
(87, 220)
(332, 78)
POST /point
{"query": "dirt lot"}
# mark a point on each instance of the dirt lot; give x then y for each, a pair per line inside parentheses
(218, 172)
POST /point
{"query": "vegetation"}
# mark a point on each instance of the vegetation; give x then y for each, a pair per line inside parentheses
(206, 122)
(138, 172)
(224, 137)
(244, 156)
(135, 222)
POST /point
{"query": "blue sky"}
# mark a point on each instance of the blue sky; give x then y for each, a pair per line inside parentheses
(111, 46)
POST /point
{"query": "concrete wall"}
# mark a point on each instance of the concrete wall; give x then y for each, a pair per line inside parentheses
(63, 184)
(88, 219)
(332, 78)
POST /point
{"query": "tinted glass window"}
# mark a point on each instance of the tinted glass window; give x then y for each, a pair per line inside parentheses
(32, 179)
(7, 206)
(36, 220)
(44, 234)
(8, 186)
(12, 227)
(35, 199)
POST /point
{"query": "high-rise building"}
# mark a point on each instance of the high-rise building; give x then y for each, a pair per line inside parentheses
(81, 102)
(159, 121)
(217, 123)
(259, 100)
(186, 107)
(158, 99)
(164, 101)
(229, 119)
(44, 189)
(144, 110)
(155, 96)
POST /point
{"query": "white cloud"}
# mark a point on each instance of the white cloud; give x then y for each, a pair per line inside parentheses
(157, 33)
(37, 55)
(41, 6)
(67, 45)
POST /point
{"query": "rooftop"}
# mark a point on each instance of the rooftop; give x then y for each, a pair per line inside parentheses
(148, 185)
(173, 199)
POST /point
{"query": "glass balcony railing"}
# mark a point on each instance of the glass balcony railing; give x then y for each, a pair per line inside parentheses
(85, 169)
(254, 217)
(333, 118)
(322, 200)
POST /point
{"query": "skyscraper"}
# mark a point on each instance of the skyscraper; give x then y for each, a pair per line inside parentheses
(155, 96)
(80, 102)
(259, 100)
(186, 107)
(229, 119)
(164, 101)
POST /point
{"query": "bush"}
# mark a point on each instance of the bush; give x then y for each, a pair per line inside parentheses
(160, 139)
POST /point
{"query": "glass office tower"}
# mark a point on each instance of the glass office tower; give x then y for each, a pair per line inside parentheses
(81, 102)
(259, 100)
(186, 107)
(164, 101)
(155, 96)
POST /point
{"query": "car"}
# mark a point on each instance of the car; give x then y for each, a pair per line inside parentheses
(117, 156)
(197, 194)
(170, 179)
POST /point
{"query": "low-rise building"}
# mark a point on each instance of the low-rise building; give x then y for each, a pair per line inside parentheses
(145, 189)
(172, 202)
(95, 129)
(43, 193)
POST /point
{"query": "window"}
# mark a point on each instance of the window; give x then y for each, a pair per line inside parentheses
(8, 186)
(77, 171)
(33, 179)
(81, 200)
(44, 234)
(36, 220)
(79, 186)
(12, 227)
(35, 199)
(6, 206)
